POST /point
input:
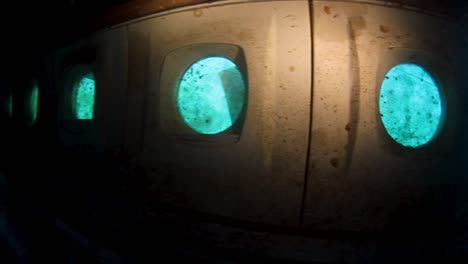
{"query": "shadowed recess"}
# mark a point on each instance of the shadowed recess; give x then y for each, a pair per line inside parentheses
(211, 95)
(9, 106)
(410, 105)
(83, 97)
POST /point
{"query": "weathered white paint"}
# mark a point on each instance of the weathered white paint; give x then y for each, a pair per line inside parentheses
(260, 177)
(359, 177)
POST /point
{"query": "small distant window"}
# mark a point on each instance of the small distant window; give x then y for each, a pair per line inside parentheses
(33, 102)
(410, 105)
(211, 95)
(83, 97)
(9, 105)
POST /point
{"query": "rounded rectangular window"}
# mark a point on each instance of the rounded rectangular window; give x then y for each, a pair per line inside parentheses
(203, 93)
(82, 99)
(32, 102)
(78, 100)
(211, 95)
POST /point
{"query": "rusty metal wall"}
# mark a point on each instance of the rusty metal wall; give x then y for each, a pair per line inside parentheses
(319, 61)
(438, 7)
(359, 179)
(260, 177)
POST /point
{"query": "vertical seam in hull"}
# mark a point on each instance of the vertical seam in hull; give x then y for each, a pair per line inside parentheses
(307, 163)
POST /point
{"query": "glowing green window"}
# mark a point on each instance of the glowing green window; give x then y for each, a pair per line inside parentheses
(33, 102)
(211, 95)
(410, 105)
(83, 97)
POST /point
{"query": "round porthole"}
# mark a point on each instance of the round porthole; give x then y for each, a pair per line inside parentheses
(83, 97)
(33, 102)
(9, 105)
(211, 95)
(410, 105)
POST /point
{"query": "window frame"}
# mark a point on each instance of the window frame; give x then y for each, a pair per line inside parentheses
(442, 143)
(174, 66)
(72, 76)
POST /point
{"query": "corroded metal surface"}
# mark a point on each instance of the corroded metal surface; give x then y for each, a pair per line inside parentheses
(359, 181)
(359, 178)
(140, 8)
(273, 145)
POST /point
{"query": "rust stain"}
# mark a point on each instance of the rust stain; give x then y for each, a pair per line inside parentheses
(358, 23)
(292, 68)
(335, 162)
(197, 13)
(384, 29)
(347, 127)
(327, 10)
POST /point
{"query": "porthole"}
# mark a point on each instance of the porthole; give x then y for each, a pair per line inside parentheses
(211, 95)
(9, 105)
(33, 102)
(83, 97)
(410, 105)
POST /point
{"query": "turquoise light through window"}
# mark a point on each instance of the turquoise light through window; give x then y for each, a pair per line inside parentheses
(83, 97)
(33, 102)
(211, 95)
(410, 105)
